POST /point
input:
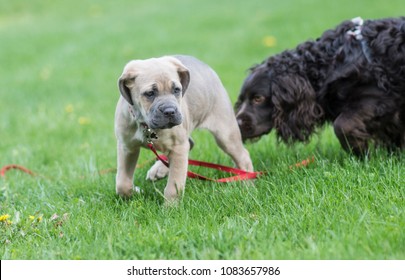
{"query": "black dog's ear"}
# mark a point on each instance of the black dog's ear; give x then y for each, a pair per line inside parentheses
(125, 83)
(296, 111)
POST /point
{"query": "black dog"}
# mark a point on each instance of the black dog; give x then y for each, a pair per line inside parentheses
(353, 76)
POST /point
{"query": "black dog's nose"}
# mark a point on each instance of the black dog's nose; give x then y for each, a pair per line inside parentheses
(240, 121)
(169, 111)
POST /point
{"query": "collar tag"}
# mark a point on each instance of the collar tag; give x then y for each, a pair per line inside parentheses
(150, 135)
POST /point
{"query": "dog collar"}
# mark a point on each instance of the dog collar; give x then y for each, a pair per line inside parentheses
(149, 134)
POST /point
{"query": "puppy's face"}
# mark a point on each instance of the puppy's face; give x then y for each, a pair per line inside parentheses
(254, 108)
(154, 88)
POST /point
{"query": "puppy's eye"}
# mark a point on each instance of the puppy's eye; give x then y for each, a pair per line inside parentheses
(149, 94)
(176, 91)
(258, 99)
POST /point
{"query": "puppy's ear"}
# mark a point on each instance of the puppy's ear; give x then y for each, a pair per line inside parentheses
(184, 75)
(125, 83)
(183, 72)
(296, 111)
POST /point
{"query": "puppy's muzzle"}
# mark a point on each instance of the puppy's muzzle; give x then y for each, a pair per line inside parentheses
(164, 116)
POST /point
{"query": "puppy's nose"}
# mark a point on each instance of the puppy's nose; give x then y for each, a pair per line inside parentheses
(169, 111)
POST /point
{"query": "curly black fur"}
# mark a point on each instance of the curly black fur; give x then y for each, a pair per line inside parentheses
(357, 83)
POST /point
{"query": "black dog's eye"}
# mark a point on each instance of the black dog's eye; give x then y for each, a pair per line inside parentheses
(176, 91)
(258, 99)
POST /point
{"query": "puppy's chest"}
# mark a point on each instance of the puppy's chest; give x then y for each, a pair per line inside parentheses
(164, 140)
(161, 142)
(139, 136)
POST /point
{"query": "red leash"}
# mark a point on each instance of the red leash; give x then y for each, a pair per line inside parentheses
(303, 163)
(240, 174)
(15, 166)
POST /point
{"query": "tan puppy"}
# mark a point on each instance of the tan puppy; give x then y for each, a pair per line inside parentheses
(172, 96)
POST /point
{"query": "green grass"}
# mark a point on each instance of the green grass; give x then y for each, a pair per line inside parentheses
(60, 61)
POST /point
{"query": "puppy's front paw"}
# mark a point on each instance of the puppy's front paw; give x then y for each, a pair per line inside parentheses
(127, 192)
(157, 171)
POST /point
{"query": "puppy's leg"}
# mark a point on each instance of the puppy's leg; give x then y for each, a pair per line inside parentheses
(178, 158)
(228, 138)
(157, 171)
(126, 162)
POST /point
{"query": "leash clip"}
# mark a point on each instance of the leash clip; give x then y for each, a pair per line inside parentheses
(355, 32)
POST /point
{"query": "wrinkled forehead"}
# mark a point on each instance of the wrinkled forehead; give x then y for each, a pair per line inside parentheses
(155, 73)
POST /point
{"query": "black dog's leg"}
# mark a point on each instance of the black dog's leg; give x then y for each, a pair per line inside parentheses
(352, 134)
(354, 126)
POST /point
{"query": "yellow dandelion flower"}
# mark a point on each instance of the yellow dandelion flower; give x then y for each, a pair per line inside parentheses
(269, 41)
(96, 11)
(85, 146)
(69, 108)
(31, 217)
(39, 219)
(84, 121)
(4, 218)
(45, 73)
